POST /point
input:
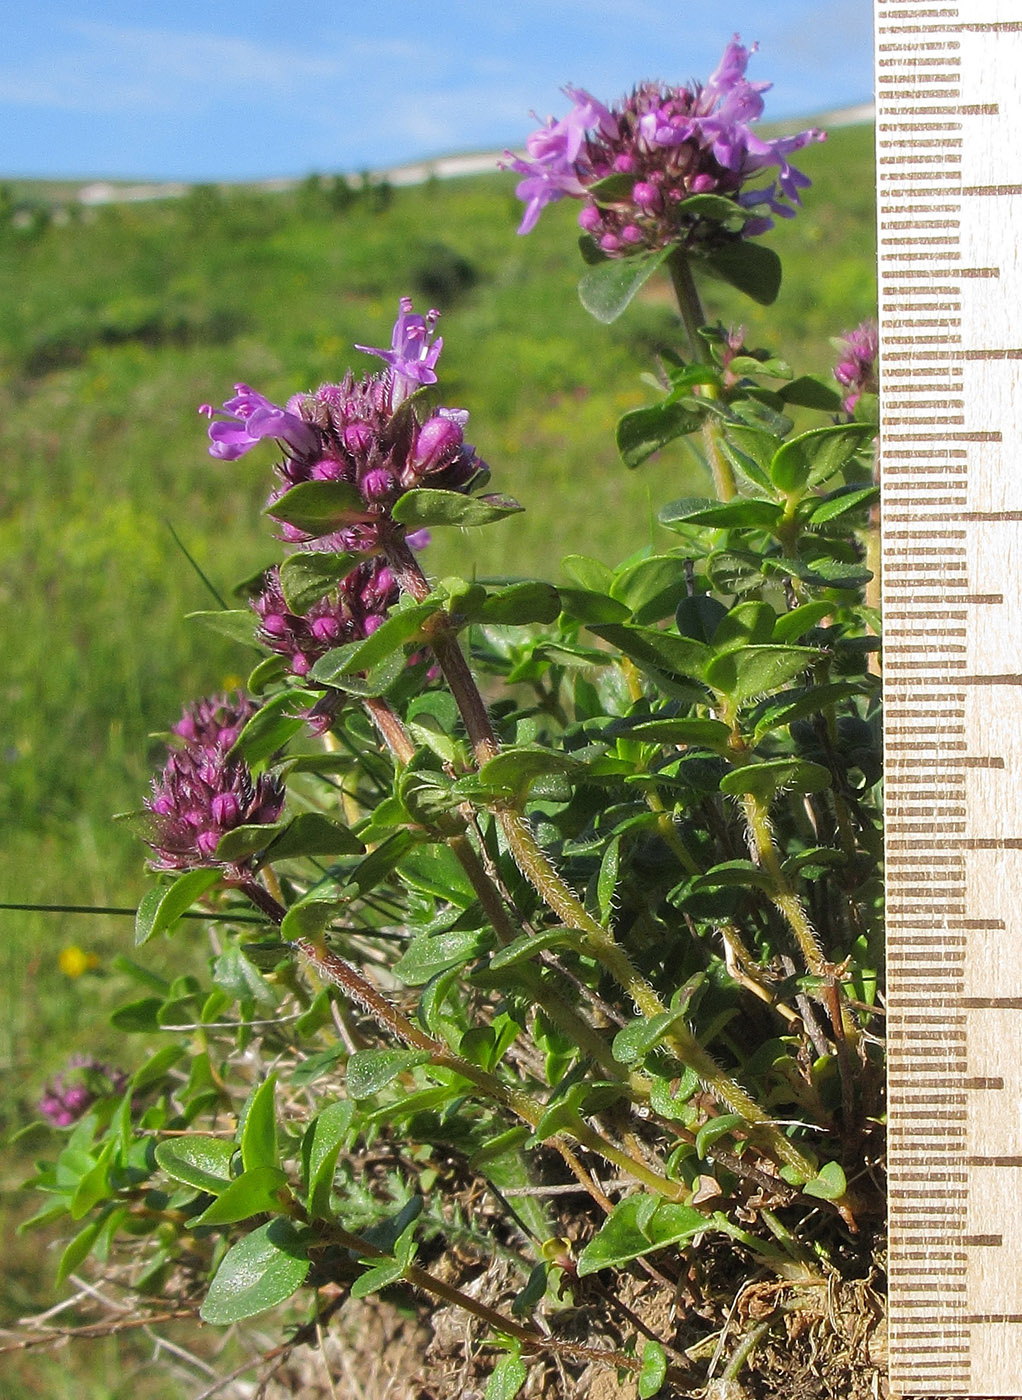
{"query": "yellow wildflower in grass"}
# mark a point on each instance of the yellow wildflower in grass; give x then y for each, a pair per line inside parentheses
(73, 961)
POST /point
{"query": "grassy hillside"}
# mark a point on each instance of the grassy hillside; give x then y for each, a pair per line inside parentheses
(116, 324)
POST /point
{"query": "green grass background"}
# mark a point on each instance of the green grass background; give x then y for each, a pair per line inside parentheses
(113, 328)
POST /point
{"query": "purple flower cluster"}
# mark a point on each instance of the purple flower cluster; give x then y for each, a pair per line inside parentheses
(352, 612)
(205, 790)
(663, 145)
(856, 370)
(68, 1097)
(355, 432)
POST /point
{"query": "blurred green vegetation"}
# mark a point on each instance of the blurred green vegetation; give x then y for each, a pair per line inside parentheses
(116, 322)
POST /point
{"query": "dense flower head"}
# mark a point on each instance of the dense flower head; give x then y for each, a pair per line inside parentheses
(856, 370)
(362, 432)
(215, 721)
(350, 613)
(69, 1096)
(660, 146)
(206, 790)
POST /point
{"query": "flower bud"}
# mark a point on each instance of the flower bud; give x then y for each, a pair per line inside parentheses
(438, 439)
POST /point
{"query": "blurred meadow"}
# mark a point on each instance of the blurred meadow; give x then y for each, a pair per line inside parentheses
(115, 323)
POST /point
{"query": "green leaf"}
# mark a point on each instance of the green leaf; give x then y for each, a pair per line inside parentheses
(312, 834)
(399, 628)
(154, 1070)
(78, 1250)
(659, 581)
(321, 1147)
(516, 769)
(93, 1185)
(377, 1277)
(680, 656)
(841, 502)
(425, 505)
(612, 189)
(741, 513)
(520, 604)
(429, 954)
(733, 873)
(829, 1184)
(273, 724)
(794, 704)
(747, 624)
(698, 733)
(310, 1069)
(620, 1239)
(530, 945)
(606, 288)
(369, 1071)
(586, 606)
(606, 883)
(712, 206)
(235, 972)
(717, 1128)
(752, 267)
(644, 431)
(255, 1192)
(138, 1016)
(320, 507)
(378, 864)
(814, 457)
(654, 1370)
(506, 1379)
(807, 392)
(633, 1043)
(260, 1271)
(237, 623)
(307, 576)
(244, 841)
(765, 780)
(162, 906)
(757, 670)
(792, 625)
(199, 1161)
(590, 574)
(258, 1127)
(698, 616)
(436, 870)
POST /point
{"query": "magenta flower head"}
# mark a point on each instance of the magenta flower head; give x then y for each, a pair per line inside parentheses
(247, 419)
(205, 790)
(856, 370)
(635, 165)
(351, 613)
(359, 433)
(69, 1096)
(413, 352)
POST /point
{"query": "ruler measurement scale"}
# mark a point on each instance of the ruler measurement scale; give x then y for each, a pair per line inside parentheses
(949, 118)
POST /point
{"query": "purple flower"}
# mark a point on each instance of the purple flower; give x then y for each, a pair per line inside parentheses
(204, 790)
(248, 418)
(350, 613)
(675, 142)
(215, 722)
(68, 1097)
(355, 433)
(413, 352)
(856, 371)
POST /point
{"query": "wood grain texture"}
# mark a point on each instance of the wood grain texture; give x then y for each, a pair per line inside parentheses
(949, 179)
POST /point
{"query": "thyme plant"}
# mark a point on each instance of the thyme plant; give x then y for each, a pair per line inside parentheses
(514, 890)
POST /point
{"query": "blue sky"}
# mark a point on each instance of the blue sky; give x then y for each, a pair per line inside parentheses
(206, 90)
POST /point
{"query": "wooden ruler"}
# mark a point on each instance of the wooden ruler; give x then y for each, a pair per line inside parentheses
(949, 175)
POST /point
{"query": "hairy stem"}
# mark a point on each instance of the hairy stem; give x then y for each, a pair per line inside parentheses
(693, 320)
